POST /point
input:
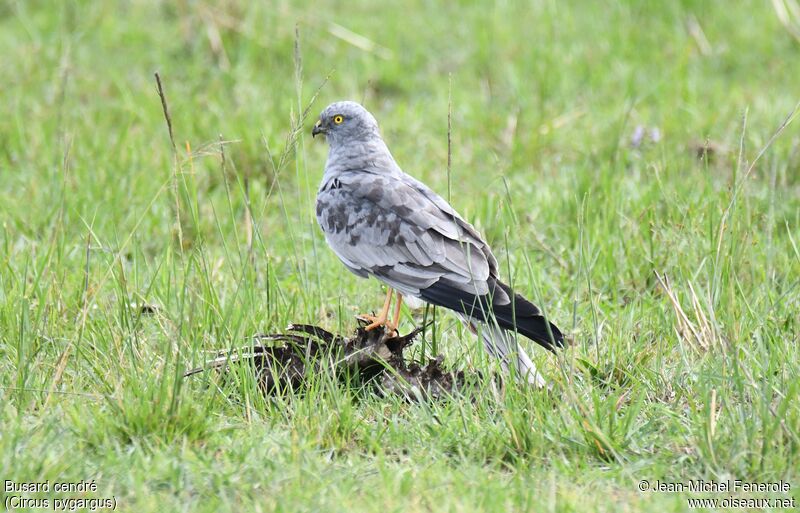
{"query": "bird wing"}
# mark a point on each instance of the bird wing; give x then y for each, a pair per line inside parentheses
(398, 230)
(386, 227)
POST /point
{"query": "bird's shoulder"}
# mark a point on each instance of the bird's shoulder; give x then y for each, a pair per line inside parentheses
(400, 193)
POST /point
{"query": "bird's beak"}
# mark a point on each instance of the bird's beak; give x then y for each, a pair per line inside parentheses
(317, 128)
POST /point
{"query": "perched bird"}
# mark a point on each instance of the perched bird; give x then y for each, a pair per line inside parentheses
(381, 222)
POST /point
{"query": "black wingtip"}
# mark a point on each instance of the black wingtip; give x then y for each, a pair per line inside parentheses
(526, 319)
(538, 329)
(520, 315)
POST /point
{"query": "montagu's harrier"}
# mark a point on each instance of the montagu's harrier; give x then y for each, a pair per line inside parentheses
(382, 222)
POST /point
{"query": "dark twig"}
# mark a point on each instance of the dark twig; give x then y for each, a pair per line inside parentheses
(449, 130)
(165, 108)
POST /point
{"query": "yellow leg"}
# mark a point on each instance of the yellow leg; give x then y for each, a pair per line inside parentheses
(392, 326)
(380, 320)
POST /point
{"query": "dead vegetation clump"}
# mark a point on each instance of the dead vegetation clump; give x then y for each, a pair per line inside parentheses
(286, 361)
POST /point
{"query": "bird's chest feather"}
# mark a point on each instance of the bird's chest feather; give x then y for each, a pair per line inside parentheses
(335, 207)
(348, 217)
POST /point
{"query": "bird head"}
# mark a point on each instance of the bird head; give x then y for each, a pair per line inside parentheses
(345, 121)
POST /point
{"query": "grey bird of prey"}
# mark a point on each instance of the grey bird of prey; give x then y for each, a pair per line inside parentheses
(381, 222)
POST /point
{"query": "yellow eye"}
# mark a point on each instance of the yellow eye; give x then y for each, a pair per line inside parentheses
(338, 119)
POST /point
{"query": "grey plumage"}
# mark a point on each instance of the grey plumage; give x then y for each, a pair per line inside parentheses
(382, 222)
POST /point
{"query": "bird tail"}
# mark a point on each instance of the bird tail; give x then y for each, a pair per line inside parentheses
(502, 345)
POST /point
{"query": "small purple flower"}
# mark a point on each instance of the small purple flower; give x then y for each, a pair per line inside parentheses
(637, 136)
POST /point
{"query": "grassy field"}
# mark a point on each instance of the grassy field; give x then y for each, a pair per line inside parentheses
(578, 136)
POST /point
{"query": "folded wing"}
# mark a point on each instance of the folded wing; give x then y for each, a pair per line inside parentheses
(396, 229)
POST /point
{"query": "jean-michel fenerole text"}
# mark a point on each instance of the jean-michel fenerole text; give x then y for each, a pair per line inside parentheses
(722, 486)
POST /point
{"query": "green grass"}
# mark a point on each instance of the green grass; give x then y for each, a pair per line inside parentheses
(98, 216)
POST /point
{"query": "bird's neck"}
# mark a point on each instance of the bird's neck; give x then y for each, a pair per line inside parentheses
(370, 155)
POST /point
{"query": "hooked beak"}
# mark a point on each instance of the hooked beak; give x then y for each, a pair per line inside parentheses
(318, 129)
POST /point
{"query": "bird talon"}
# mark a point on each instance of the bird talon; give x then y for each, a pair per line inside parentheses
(375, 324)
(373, 321)
(382, 319)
